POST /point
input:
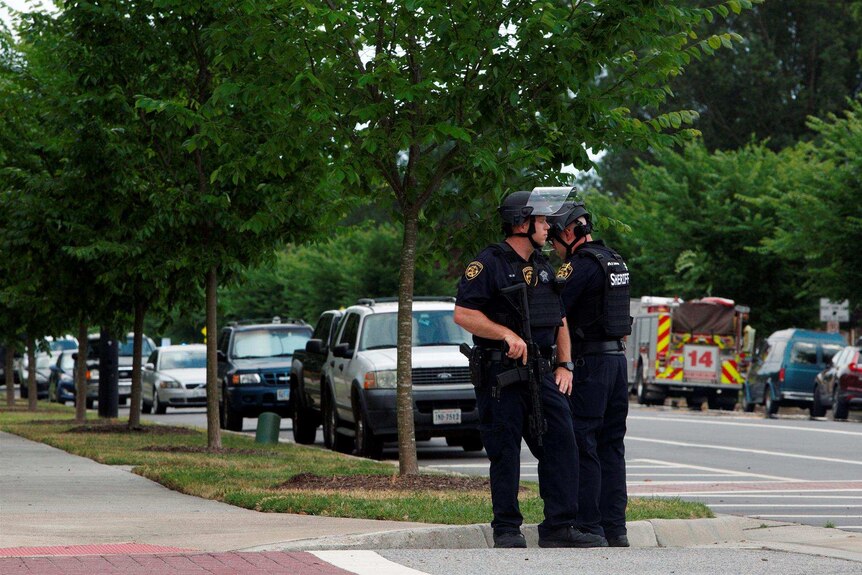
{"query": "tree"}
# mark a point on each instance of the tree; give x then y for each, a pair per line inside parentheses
(799, 58)
(437, 103)
(697, 222)
(819, 225)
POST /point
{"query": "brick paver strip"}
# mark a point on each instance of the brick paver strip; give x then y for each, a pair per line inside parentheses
(233, 563)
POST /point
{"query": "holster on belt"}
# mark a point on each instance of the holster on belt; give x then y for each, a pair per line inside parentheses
(477, 363)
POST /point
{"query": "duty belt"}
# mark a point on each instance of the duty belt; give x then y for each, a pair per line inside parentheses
(597, 347)
(495, 355)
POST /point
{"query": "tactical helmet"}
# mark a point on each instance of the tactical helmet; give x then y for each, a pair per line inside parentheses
(514, 210)
(569, 213)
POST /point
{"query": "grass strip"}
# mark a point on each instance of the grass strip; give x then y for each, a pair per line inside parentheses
(251, 475)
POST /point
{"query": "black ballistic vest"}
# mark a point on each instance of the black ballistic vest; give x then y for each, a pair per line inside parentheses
(542, 296)
(604, 315)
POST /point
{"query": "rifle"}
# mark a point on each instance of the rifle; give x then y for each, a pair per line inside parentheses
(532, 373)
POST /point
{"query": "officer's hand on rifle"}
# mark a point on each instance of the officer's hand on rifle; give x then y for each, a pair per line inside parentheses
(516, 348)
(563, 378)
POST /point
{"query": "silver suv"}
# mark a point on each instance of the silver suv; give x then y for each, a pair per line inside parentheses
(360, 378)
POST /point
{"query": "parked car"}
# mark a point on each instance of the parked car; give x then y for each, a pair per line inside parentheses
(43, 371)
(48, 345)
(254, 368)
(175, 376)
(125, 359)
(61, 381)
(360, 379)
(306, 377)
(839, 386)
(785, 368)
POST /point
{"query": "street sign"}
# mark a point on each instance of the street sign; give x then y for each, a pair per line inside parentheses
(834, 311)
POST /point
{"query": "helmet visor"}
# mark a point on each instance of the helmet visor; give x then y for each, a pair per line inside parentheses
(547, 201)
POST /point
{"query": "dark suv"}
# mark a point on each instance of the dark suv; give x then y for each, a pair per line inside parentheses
(254, 361)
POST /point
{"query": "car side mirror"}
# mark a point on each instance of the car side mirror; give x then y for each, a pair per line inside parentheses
(220, 356)
(75, 356)
(149, 366)
(314, 346)
(342, 350)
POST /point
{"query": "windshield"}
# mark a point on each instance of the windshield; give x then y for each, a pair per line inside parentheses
(128, 347)
(184, 359)
(63, 344)
(254, 343)
(429, 328)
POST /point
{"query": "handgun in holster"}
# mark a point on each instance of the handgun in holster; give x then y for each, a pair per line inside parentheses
(477, 363)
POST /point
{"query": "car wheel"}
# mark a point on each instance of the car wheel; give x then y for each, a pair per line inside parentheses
(770, 405)
(304, 421)
(367, 444)
(146, 407)
(840, 407)
(336, 441)
(158, 407)
(473, 442)
(747, 406)
(232, 419)
(645, 395)
(817, 408)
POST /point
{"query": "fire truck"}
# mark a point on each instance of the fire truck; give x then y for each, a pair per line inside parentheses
(693, 349)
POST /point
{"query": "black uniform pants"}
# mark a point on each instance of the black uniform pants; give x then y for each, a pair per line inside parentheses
(600, 404)
(503, 423)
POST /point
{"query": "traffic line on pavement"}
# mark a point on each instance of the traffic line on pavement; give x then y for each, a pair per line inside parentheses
(789, 505)
(744, 450)
(365, 563)
(729, 472)
(748, 494)
(761, 426)
(808, 516)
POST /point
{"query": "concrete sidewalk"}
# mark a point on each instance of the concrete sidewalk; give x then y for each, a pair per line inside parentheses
(51, 498)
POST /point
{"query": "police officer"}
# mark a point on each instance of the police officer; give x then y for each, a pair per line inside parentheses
(596, 299)
(496, 322)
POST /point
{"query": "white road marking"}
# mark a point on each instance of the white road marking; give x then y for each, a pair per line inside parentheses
(809, 516)
(748, 495)
(786, 506)
(365, 563)
(745, 493)
(647, 483)
(706, 421)
(677, 474)
(743, 450)
(730, 472)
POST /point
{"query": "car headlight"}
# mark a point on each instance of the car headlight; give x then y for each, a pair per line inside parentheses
(241, 378)
(169, 384)
(386, 379)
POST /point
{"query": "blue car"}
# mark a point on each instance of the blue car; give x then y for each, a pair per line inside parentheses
(61, 382)
(784, 371)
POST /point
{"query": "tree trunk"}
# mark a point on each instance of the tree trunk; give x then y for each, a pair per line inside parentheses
(213, 429)
(81, 374)
(407, 463)
(10, 380)
(32, 392)
(137, 350)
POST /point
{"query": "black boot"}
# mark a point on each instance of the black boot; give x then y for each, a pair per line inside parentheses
(618, 541)
(509, 540)
(571, 537)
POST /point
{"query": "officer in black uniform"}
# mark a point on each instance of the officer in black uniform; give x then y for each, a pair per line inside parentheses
(596, 298)
(496, 324)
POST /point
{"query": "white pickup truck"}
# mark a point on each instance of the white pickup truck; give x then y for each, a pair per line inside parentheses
(358, 378)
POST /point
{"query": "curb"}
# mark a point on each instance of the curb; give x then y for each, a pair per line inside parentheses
(652, 533)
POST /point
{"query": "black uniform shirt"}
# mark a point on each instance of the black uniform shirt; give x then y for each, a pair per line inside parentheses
(585, 282)
(480, 286)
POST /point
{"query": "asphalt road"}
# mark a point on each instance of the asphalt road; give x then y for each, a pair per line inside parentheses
(789, 469)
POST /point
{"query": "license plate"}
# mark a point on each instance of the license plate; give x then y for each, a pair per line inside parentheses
(282, 394)
(447, 416)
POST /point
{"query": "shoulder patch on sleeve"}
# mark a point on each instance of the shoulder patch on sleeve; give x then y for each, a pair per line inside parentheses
(565, 271)
(473, 270)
